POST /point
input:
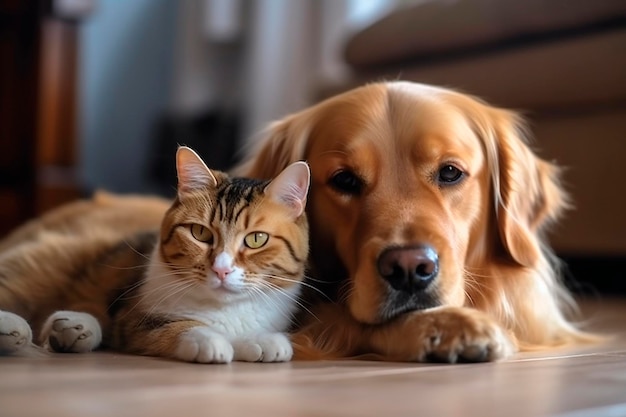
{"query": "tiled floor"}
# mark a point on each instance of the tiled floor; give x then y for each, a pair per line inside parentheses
(588, 382)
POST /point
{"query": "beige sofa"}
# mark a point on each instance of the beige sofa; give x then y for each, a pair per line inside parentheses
(561, 62)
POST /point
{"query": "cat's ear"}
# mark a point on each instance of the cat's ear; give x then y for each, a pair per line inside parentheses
(291, 186)
(193, 174)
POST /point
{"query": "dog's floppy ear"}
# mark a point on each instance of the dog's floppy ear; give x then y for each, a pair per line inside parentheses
(527, 191)
(281, 144)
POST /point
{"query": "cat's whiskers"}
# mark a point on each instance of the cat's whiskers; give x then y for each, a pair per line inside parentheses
(345, 291)
(260, 296)
(125, 295)
(124, 268)
(282, 291)
(147, 257)
(143, 255)
(170, 287)
(142, 281)
(181, 290)
(321, 281)
(304, 284)
(174, 289)
(258, 293)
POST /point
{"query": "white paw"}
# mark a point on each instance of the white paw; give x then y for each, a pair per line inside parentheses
(264, 347)
(201, 344)
(71, 332)
(15, 333)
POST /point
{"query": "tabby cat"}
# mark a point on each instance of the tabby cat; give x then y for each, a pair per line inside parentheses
(219, 281)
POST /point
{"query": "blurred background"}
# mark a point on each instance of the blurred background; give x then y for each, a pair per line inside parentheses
(99, 93)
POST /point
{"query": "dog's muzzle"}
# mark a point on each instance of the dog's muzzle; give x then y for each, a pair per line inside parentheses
(410, 269)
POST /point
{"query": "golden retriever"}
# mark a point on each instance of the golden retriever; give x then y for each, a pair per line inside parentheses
(427, 211)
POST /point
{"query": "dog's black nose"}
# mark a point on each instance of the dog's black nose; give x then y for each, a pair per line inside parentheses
(409, 269)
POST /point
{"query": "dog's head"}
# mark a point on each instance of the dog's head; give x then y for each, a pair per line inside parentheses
(414, 190)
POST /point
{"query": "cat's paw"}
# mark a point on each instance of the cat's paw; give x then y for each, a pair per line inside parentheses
(71, 332)
(264, 347)
(15, 333)
(201, 344)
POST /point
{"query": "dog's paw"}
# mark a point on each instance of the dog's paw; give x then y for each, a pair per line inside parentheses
(264, 347)
(462, 335)
(71, 332)
(15, 333)
(201, 344)
(447, 334)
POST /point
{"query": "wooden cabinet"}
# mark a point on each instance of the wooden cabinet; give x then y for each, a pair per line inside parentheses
(38, 101)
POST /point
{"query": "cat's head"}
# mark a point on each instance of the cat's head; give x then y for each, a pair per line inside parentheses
(236, 237)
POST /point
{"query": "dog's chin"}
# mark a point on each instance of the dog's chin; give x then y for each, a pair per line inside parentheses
(391, 305)
(399, 302)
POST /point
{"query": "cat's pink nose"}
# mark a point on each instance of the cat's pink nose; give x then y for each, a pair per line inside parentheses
(222, 271)
(223, 265)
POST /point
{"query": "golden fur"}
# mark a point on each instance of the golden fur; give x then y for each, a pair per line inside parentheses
(40, 260)
(497, 288)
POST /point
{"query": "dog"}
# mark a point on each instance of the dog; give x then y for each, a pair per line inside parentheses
(428, 212)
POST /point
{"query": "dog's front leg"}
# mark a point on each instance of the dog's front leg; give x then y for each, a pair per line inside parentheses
(448, 334)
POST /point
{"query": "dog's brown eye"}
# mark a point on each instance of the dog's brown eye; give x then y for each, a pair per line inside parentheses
(449, 174)
(346, 182)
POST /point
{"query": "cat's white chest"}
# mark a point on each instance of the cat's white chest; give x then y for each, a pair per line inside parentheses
(273, 314)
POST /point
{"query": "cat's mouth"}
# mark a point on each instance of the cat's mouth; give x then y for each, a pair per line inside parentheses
(224, 286)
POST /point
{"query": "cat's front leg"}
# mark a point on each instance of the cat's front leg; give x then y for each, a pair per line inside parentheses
(201, 344)
(71, 332)
(15, 333)
(263, 347)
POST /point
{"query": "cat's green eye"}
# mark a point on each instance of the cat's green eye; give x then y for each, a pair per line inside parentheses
(256, 240)
(201, 233)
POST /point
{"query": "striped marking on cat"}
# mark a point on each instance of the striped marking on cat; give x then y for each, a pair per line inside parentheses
(292, 251)
(234, 197)
(285, 272)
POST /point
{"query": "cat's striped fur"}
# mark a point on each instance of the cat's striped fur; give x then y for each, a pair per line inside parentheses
(196, 280)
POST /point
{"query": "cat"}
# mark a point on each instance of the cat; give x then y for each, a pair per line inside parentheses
(213, 277)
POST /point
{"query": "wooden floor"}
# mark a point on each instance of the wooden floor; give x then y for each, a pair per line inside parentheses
(572, 383)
